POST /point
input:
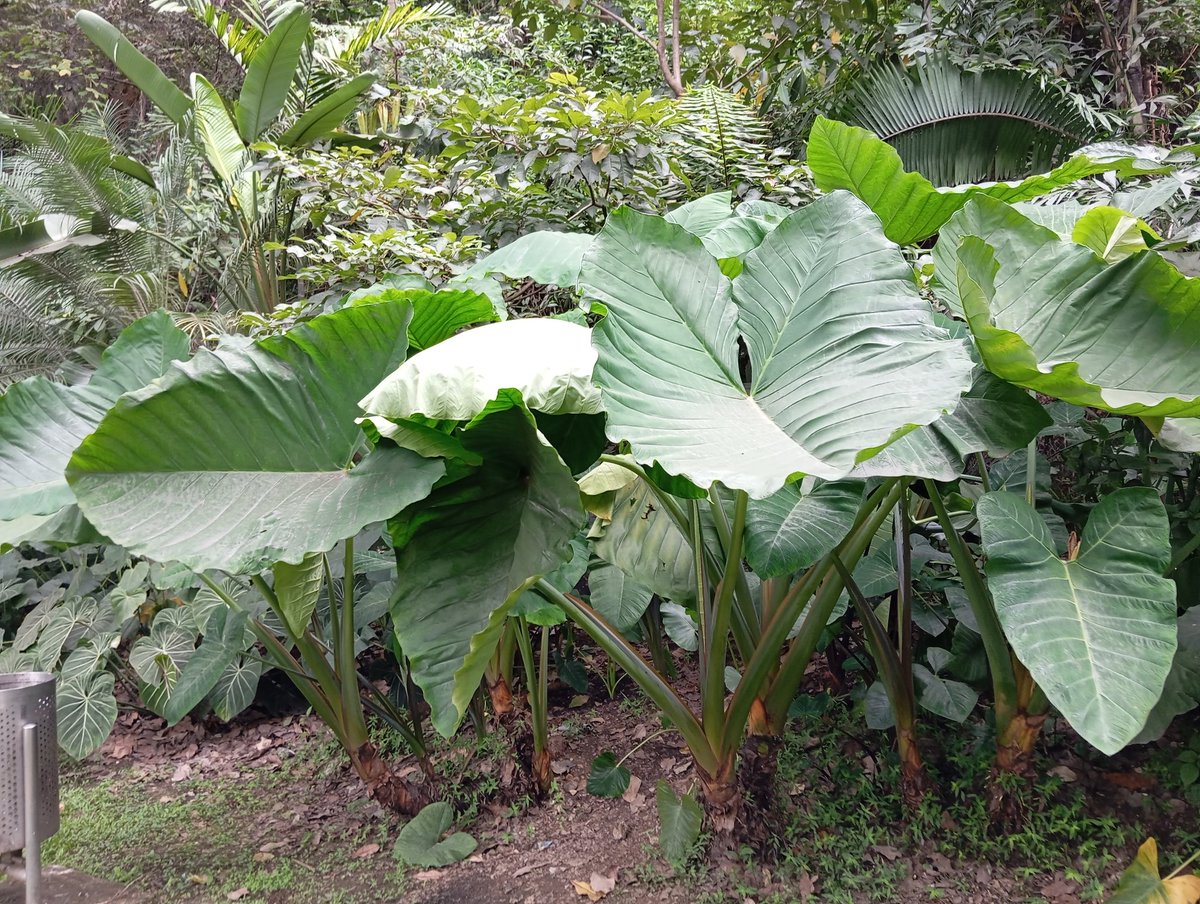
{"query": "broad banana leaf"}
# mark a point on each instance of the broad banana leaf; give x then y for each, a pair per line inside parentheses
(41, 424)
(271, 71)
(326, 116)
(243, 457)
(1053, 317)
(146, 76)
(224, 149)
(844, 355)
(910, 206)
(548, 361)
(467, 553)
(1096, 631)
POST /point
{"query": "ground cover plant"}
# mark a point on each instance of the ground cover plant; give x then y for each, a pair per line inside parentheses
(615, 454)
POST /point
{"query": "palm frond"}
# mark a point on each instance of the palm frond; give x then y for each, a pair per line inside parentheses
(956, 126)
(727, 143)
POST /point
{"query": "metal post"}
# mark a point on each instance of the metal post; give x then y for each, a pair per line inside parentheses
(33, 844)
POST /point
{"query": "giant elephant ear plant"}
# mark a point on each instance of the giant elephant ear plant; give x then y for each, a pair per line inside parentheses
(841, 357)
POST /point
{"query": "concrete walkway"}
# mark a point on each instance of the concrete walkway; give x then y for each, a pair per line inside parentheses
(61, 885)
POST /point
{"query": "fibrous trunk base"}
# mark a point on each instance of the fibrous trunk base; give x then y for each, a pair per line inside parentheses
(1012, 775)
(914, 780)
(384, 786)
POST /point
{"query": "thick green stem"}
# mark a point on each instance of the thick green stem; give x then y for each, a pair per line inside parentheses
(995, 644)
(713, 700)
(310, 689)
(651, 682)
(1184, 551)
(700, 576)
(746, 624)
(344, 658)
(535, 679)
(791, 673)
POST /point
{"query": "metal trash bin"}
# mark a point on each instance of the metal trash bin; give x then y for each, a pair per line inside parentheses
(29, 780)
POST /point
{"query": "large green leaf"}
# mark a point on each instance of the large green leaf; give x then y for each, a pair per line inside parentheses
(702, 216)
(147, 77)
(87, 711)
(437, 315)
(992, 416)
(224, 149)
(41, 423)
(271, 71)
(1181, 692)
(1097, 631)
(548, 258)
(616, 597)
(420, 842)
(1052, 316)
(224, 640)
(844, 354)
(680, 818)
(548, 361)
(242, 457)
(911, 208)
(298, 587)
(791, 529)
(476, 544)
(327, 115)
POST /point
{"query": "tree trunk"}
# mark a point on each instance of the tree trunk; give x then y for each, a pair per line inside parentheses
(914, 781)
(1012, 774)
(722, 803)
(543, 778)
(501, 696)
(388, 789)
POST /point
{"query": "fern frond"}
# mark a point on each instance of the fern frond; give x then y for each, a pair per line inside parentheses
(727, 142)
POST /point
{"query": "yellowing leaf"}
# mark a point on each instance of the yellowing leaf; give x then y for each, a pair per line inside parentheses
(596, 887)
(599, 152)
(1141, 884)
(835, 37)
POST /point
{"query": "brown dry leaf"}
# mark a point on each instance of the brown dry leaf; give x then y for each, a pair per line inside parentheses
(635, 785)
(263, 856)
(238, 893)
(1132, 781)
(1058, 888)
(427, 875)
(595, 887)
(886, 851)
(367, 850)
(1066, 773)
(806, 885)
(620, 830)
(182, 773)
(577, 701)
(200, 879)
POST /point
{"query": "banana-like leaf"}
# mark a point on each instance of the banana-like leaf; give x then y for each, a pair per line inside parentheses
(87, 712)
(1097, 631)
(548, 361)
(910, 206)
(791, 529)
(326, 116)
(1053, 317)
(243, 456)
(224, 149)
(468, 551)
(844, 354)
(548, 258)
(147, 77)
(271, 71)
(41, 423)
